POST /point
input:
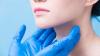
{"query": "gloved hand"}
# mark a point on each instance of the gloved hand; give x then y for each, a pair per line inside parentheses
(39, 40)
(62, 47)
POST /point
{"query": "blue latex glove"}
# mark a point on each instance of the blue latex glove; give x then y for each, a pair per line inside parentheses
(62, 47)
(39, 40)
(35, 47)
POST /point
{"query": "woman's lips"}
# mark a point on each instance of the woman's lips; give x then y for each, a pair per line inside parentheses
(40, 11)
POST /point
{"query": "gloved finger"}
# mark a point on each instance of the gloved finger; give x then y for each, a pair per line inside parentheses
(55, 40)
(20, 34)
(37, 33)
(45, 35)
(31, 43)
(16, 45)
(71, 40)
(70, 46)
(49, 39)
(59, 45)
(32, 47)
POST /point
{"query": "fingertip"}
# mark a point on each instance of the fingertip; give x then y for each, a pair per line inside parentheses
(75, 30)
(49, 39)
(20, 33)
(50, 30)
(22, 30)
(38, 32)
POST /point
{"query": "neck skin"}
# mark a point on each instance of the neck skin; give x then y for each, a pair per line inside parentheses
(86, 31)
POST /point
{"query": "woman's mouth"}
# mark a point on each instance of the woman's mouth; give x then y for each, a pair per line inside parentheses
(40, 11)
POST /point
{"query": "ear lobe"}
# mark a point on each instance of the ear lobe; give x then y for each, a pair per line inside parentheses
(91, 2)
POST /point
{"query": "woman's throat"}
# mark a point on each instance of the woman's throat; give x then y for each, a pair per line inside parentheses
(63, 30)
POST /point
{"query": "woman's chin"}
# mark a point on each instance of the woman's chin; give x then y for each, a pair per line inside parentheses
(43, 26)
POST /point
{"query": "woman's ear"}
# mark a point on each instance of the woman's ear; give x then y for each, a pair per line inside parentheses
(90, 2)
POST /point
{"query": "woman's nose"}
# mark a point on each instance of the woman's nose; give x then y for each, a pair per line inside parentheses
(39, 0)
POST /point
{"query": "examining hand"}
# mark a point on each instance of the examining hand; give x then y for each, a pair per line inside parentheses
(40, 39)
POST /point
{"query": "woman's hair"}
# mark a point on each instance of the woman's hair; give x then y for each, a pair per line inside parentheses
(96, 9)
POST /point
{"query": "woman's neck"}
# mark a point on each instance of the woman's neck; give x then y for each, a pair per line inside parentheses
(62, 30)
(85, 29)
(87, 33)
(83, 22)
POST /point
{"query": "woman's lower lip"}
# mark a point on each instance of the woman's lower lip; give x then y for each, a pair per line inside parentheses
(40, 11)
